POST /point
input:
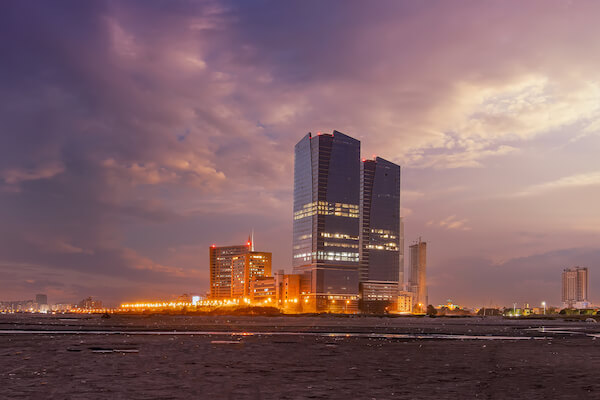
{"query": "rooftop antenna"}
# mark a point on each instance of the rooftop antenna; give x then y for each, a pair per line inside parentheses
(252, 240)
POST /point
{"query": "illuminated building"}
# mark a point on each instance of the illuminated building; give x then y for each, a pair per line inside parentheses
(451, 306)
(378, 297)
(62, 307)
(88, 304)
(245, 267)
(288, 291)
(404, 302)
(220, 268)
(19, 306)
(380, 239)
(575, 287)
(379, 291)
(262, 290)
(417, 281)
(326, 218)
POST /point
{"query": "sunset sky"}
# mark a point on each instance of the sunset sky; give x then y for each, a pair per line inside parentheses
(135, 134)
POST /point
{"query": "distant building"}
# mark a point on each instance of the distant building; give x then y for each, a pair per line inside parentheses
(326, 218)
(62, 307)
(418, 268)
(575, 287)
(19, 306)
(405, 302)
(220, 259)
(89, 304)
(246, 267)
(184, 298)
(401, 272)
(41, 299)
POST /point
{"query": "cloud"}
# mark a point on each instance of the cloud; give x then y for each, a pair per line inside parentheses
(16, 175)
(450, 223)
(471, 157)
(170, 171)
(567, 182)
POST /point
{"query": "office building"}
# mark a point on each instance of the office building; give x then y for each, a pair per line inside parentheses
(378, 297)
(380, 226)
(220, 259)
(245, 267)
(575, 287)
(326, 217)
(263, 290)
(417, 281)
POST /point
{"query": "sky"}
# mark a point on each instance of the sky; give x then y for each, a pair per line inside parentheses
(133, 135)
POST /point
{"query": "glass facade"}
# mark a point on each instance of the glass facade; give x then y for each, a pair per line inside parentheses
(326, 212)
(380, 241)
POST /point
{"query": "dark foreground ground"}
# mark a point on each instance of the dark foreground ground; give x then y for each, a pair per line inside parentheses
(173, 357)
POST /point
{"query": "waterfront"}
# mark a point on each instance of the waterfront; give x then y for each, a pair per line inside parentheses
(177, 357)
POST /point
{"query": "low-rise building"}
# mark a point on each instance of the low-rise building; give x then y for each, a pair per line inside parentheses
(404, 302)
(262, 290)
(378, 297)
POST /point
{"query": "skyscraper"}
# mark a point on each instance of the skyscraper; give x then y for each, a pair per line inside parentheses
(417, 280)
(380, 238)
(380, 221)
(326, 217)
(575, 287)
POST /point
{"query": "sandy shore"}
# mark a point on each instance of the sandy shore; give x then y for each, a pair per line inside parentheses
(124, 357)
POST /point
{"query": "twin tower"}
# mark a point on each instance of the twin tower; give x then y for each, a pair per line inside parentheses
(347, 235)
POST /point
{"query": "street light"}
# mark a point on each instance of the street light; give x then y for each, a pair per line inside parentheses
(544, 305)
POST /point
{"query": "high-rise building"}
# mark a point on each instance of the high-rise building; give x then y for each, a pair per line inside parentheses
(41, 299)
(380, 230)
(245, 267)
(401, 274)
(221, 259)
(417, 280)
(326, 217)
(575, 287)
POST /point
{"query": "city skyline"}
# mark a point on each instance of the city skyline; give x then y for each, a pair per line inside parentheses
(135, 136)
